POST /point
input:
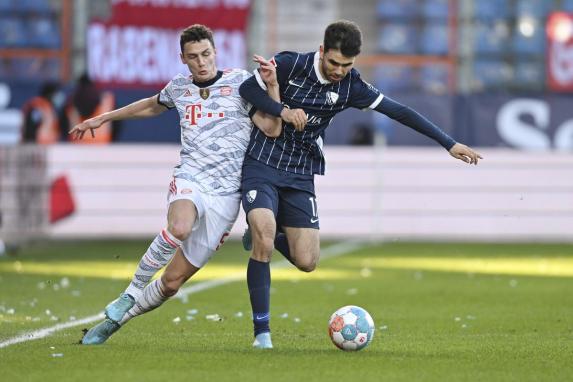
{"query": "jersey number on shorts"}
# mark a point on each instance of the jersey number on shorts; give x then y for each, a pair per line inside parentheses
(314, 207)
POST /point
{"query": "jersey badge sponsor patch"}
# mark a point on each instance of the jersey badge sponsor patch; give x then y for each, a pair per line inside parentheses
(226, 91)
(186, 191)
(251, 196)
(331, 98)
(204, 93)
(187, 93)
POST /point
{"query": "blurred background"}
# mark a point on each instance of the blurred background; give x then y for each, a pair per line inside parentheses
(495, 74)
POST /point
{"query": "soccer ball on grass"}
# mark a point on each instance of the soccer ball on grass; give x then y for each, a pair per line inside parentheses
(351, 328)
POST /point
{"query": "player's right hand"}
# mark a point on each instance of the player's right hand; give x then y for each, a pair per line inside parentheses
(80, 129)
(267, 70)
(296, 117)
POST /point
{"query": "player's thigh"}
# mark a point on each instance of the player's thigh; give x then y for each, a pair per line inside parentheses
(186, 205)
(260, 201)
(177, 272)
(304, 246)
(211, 230)
(263, 227)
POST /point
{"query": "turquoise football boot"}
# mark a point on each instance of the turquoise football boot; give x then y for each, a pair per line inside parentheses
(247, 239)
(100, 333)
(118, 308)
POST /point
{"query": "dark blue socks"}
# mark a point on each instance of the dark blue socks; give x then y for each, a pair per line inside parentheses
(259, 283)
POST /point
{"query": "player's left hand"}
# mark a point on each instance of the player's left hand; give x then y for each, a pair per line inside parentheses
(267, 70)
(463, 152)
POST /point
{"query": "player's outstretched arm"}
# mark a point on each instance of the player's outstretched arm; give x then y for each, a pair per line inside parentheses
(416, 121)
(147, 107)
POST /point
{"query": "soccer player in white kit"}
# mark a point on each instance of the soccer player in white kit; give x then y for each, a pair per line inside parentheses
(204, 195)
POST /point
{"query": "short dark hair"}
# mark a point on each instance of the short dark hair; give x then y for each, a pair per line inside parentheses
(345, 36)
(196, 33)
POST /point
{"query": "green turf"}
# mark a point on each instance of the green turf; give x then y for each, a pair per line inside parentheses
(430, 324)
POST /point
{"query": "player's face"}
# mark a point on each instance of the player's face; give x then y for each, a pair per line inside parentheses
(334, 65)
(199, 56)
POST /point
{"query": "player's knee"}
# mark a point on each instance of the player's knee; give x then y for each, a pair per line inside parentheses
(306, 264)
(181, 230)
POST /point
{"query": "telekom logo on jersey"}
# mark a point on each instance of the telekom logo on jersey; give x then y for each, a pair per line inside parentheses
(193, 113)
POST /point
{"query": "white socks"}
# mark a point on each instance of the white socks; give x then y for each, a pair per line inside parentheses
(157, 256)
(151, 298)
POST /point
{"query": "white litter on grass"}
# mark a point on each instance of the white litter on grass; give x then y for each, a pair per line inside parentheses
(11, 311)
(72, 318)
(214, 317)
(457, 319)
(177, 320)
(365, 272)
(35, 319)
(239, 314)
(57, 355)
(65, 282)
(54, 318)
(33, 303)
(296, 319)
(352, 291)
(56, 287)
(470, 317)
(189, 318)
(384, 327)
(28, 318)
(41, 285)
(513, 283)
(192, 311)
(284, 315)
(53, 347)
(464, 326)
(48, 312)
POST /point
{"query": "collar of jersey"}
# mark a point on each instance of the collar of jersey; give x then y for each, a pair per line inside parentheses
(210, 82)
(321, 79)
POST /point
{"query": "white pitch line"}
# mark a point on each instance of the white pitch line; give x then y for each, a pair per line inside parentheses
(329, 252)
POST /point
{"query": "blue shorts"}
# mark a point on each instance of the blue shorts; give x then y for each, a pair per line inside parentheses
(290, 196)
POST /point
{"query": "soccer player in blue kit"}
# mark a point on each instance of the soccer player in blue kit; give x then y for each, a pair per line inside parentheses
(278, 173)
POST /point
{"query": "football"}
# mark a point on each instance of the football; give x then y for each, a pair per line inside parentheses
(351, 328)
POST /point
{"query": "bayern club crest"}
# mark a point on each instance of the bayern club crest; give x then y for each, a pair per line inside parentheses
(204, 93)
(251, 196)
(331, 98)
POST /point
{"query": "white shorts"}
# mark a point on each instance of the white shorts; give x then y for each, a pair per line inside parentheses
(216, 215)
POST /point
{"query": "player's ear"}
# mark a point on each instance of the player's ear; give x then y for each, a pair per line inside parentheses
(321, 52)
(182, 59)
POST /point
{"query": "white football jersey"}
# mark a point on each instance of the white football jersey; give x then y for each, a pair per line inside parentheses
(215, 130)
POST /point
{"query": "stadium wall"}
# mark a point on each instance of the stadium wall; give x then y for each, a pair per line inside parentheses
(368, 193)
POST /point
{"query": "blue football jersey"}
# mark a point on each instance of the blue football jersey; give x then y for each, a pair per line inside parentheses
(303, 87)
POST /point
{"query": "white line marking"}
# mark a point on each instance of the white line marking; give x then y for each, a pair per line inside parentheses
(329, 252)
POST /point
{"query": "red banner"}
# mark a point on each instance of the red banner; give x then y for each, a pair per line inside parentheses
(560, 51)
(139, 45)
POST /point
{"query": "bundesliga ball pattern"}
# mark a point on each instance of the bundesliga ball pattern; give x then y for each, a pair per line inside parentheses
(351, 328)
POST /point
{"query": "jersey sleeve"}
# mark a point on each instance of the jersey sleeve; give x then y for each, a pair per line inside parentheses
(284, 63)
(165, 96)
(363, 94)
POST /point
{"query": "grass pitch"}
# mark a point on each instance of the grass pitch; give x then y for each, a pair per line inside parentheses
(442, 312)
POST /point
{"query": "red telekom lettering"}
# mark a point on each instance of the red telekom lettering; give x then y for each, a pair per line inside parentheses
(193, 113)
